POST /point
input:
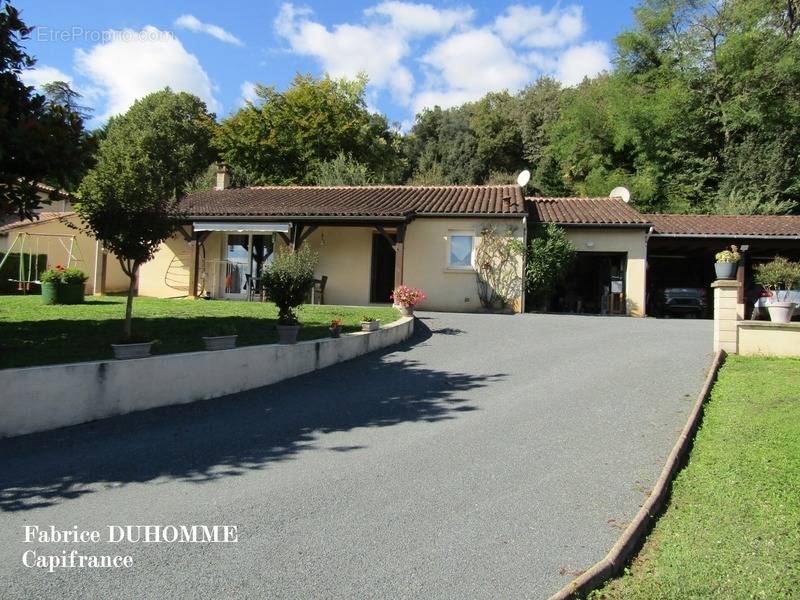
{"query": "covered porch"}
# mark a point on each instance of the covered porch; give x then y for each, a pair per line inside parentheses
(360, 260)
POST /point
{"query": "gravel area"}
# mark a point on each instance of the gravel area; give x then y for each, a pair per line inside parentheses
(489, 457)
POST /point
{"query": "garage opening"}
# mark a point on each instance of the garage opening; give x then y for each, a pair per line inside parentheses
(595, 285)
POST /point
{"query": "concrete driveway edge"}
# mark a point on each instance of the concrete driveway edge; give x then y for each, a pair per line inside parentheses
(634, 534)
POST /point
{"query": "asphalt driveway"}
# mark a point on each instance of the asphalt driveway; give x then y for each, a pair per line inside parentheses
(490, 457)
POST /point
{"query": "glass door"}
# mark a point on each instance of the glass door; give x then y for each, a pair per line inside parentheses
(237, 266)
(246, 255)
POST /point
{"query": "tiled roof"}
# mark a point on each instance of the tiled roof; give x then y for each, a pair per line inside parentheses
(367, 201)
(43, 217)
(586, 211)
(726, 225)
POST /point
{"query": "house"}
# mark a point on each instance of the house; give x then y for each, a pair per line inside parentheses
(54, 238)
(369, 239)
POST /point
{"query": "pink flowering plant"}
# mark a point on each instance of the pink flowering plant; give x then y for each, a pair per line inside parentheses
(408, 296)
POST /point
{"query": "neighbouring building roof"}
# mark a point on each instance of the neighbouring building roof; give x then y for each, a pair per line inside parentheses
(725, 225)
(366, 201)
(41, 217)
(586, 211)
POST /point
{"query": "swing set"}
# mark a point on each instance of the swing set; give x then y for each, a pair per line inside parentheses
(29, 244)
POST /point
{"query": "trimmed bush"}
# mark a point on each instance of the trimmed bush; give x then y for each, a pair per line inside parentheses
(287, 280)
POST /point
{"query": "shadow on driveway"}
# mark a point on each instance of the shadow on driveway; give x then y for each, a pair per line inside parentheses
(226, 437)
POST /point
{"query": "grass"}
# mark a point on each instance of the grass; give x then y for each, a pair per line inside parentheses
(732, 528)
(34, 334)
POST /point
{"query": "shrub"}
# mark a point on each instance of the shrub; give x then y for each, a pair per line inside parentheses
(404, 295)
(287, 280)
(729, 256)
(778, 274)
(61, 276)
(550, 256)
(497, 265)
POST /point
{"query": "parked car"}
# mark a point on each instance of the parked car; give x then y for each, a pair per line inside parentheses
(684, 302)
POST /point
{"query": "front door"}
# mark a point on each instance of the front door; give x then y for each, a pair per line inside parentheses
(382, 282)
(246, 256)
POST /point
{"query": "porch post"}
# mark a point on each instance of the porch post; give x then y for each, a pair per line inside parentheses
(196, 264)
(740, 302)
(399, 252)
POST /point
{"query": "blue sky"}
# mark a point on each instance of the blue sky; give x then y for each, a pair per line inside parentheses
(415, 54)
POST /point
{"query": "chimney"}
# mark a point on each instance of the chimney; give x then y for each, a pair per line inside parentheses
(223, 177)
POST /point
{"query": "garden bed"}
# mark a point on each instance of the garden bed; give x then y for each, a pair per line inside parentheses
(33, 334)
(731, 528)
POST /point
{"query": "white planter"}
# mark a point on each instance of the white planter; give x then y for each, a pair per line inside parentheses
(220, 342)
(780, 312)
(126, 351)
(370, 325)
(287, 334)
(406, 311)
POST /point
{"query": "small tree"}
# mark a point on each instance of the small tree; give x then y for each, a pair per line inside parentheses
(288, 279)
(550, 255)
(778, 275)
(497, 261)
(129, 199)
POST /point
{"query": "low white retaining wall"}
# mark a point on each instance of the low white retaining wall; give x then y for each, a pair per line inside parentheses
(41, 398)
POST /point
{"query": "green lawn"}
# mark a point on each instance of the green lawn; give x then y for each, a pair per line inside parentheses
(34, 334)
(732, 527)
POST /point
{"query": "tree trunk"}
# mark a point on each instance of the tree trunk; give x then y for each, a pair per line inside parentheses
(129, 307)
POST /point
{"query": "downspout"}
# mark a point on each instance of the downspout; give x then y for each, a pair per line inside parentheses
(524, 258)
(646, 268)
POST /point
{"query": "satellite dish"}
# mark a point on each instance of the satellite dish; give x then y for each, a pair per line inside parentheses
(523, 178)
(621, 192)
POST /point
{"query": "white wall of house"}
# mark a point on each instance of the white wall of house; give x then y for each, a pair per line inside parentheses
(633, 242)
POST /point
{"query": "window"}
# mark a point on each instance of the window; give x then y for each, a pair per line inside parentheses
(461, 250)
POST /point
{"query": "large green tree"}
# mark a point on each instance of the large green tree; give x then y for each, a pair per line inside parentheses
(283, 137)
(144, 165)
(42, 140)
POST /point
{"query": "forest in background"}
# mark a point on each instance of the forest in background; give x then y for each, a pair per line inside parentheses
(701, 113)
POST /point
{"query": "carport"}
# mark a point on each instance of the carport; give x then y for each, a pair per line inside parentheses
(681, 249)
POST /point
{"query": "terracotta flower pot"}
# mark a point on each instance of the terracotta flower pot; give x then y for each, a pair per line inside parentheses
(287, 334)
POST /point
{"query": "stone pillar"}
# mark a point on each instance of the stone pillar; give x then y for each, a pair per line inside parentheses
(726, 315)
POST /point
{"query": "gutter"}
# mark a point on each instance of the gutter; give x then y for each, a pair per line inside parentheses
(726, 236)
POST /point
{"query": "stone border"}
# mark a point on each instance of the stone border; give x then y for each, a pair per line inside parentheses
(47, 397)
(629, 541)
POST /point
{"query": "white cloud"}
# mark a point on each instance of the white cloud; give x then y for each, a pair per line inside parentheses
(346, 50)
(466, 66)
(132, 64)
(532, 27)
(192, 23)
(585, 60)
(421, 19)
(42, 74)
(247, 93)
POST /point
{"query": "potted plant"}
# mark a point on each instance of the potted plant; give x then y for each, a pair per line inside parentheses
(287, 280)
(221, 337)
(336, 328)
(369, 323)
(63, 286)
(406, 298)
(726, 264)
(777, 277)
(132, 347)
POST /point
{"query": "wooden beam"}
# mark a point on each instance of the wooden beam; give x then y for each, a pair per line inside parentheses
(740, 278)
(302, 238)
(285, 238)
(187, 235)
(382, 231)
(399, 254)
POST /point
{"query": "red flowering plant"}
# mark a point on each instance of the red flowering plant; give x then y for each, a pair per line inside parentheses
(404, 295)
